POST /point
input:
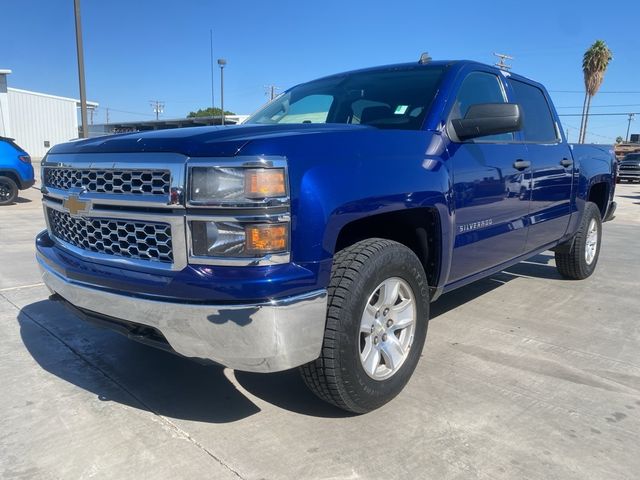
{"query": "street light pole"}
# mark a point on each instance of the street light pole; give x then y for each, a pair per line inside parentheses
(213, 103)
(83, 96)
(222, 62)
(631, 117)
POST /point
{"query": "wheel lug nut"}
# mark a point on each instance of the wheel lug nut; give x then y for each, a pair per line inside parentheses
(377, 313)
(389, 322)
(386, 312)
(384, 337)
(372, 328)
(375, 340)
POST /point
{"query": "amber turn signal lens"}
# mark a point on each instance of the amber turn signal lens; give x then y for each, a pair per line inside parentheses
(266, 238)
(264, 183)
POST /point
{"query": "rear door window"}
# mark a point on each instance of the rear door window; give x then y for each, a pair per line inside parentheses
(537, 121)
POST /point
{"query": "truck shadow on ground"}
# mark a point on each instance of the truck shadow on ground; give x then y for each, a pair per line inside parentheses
(118, 370)
(539, 266)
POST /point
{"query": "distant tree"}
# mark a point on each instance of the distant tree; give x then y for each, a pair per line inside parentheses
(619, 139)
(594, 63)
(209, 112)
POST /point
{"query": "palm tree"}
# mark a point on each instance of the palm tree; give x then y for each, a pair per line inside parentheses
(594, 63)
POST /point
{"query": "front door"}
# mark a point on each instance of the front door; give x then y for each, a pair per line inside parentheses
(491, 196)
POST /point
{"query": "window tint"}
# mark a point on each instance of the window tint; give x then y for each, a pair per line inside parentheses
(310, 109)
(390, 98)
(538, 124)
(480, 87)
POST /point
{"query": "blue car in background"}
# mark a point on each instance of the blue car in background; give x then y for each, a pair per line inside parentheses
(16, 171)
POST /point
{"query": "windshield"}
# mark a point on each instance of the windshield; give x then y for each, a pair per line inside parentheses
(394, 98)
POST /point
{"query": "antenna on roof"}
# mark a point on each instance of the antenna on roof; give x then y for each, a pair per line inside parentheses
(502, 65)
(424, 59)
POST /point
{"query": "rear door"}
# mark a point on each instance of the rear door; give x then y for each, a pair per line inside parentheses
(551, 166)
(490, 194)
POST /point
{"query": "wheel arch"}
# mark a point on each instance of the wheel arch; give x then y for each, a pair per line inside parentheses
(12, 175)
(419, 229)
(599, 194)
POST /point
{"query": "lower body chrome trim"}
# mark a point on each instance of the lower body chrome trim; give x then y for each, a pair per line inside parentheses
(264, 337)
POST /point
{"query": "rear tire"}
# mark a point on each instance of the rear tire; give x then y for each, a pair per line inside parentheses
(380, 283)
(579, 260)
(8, 190)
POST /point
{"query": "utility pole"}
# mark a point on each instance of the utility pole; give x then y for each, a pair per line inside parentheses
(83, 96)
(501, 64)
(271, 91)
(222, 62)
(213, 104)
(107, 115)
(631, 117)
(158, 107)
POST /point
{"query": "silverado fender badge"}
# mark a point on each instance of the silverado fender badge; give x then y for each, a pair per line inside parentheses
(475, 225)
(75, 206)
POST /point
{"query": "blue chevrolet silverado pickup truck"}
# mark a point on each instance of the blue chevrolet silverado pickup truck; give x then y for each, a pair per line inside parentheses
(16, 171)
(317, 234)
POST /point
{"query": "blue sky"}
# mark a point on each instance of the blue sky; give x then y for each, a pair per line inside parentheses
(140, 50)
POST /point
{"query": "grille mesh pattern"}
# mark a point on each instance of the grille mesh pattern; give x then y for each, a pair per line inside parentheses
(124, 238)
(137, 182)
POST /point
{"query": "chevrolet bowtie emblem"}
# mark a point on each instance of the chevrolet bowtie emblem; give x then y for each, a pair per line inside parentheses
(76, 206)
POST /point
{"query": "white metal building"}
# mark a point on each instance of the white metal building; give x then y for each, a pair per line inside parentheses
(37, 121)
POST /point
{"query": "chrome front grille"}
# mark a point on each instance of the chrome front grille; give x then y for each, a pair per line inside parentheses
(120, 181)
(140, 240)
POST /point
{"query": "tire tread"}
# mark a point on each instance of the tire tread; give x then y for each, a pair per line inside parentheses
(571, 264)
(320, 376)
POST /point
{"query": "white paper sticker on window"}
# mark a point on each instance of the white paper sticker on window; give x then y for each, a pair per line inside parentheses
(401, 109)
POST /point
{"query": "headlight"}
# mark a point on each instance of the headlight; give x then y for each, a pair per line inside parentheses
(230, 239)
(236, 185)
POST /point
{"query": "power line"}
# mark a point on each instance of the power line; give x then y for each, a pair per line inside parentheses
(630, 92)
(596, 114)
(589, 132)
(129, 112)
(607, 106)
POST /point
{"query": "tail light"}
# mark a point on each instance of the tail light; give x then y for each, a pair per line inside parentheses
(24, 158)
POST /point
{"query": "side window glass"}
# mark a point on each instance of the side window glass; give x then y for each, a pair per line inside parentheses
(480, 87)
(309, 109)
(538, 124)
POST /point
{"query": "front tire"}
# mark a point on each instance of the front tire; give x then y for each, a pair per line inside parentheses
(377, 315)
(579, 260)
(8, 190)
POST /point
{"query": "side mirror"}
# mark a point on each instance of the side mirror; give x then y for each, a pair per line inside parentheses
(488, 119)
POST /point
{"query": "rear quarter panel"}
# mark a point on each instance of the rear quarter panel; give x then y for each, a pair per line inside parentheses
(593, 164)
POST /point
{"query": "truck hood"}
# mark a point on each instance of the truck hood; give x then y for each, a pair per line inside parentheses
(196, 141)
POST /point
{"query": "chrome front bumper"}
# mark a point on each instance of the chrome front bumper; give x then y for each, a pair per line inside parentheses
(265, 337)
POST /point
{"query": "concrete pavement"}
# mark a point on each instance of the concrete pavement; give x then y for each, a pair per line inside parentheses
(524, 375)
